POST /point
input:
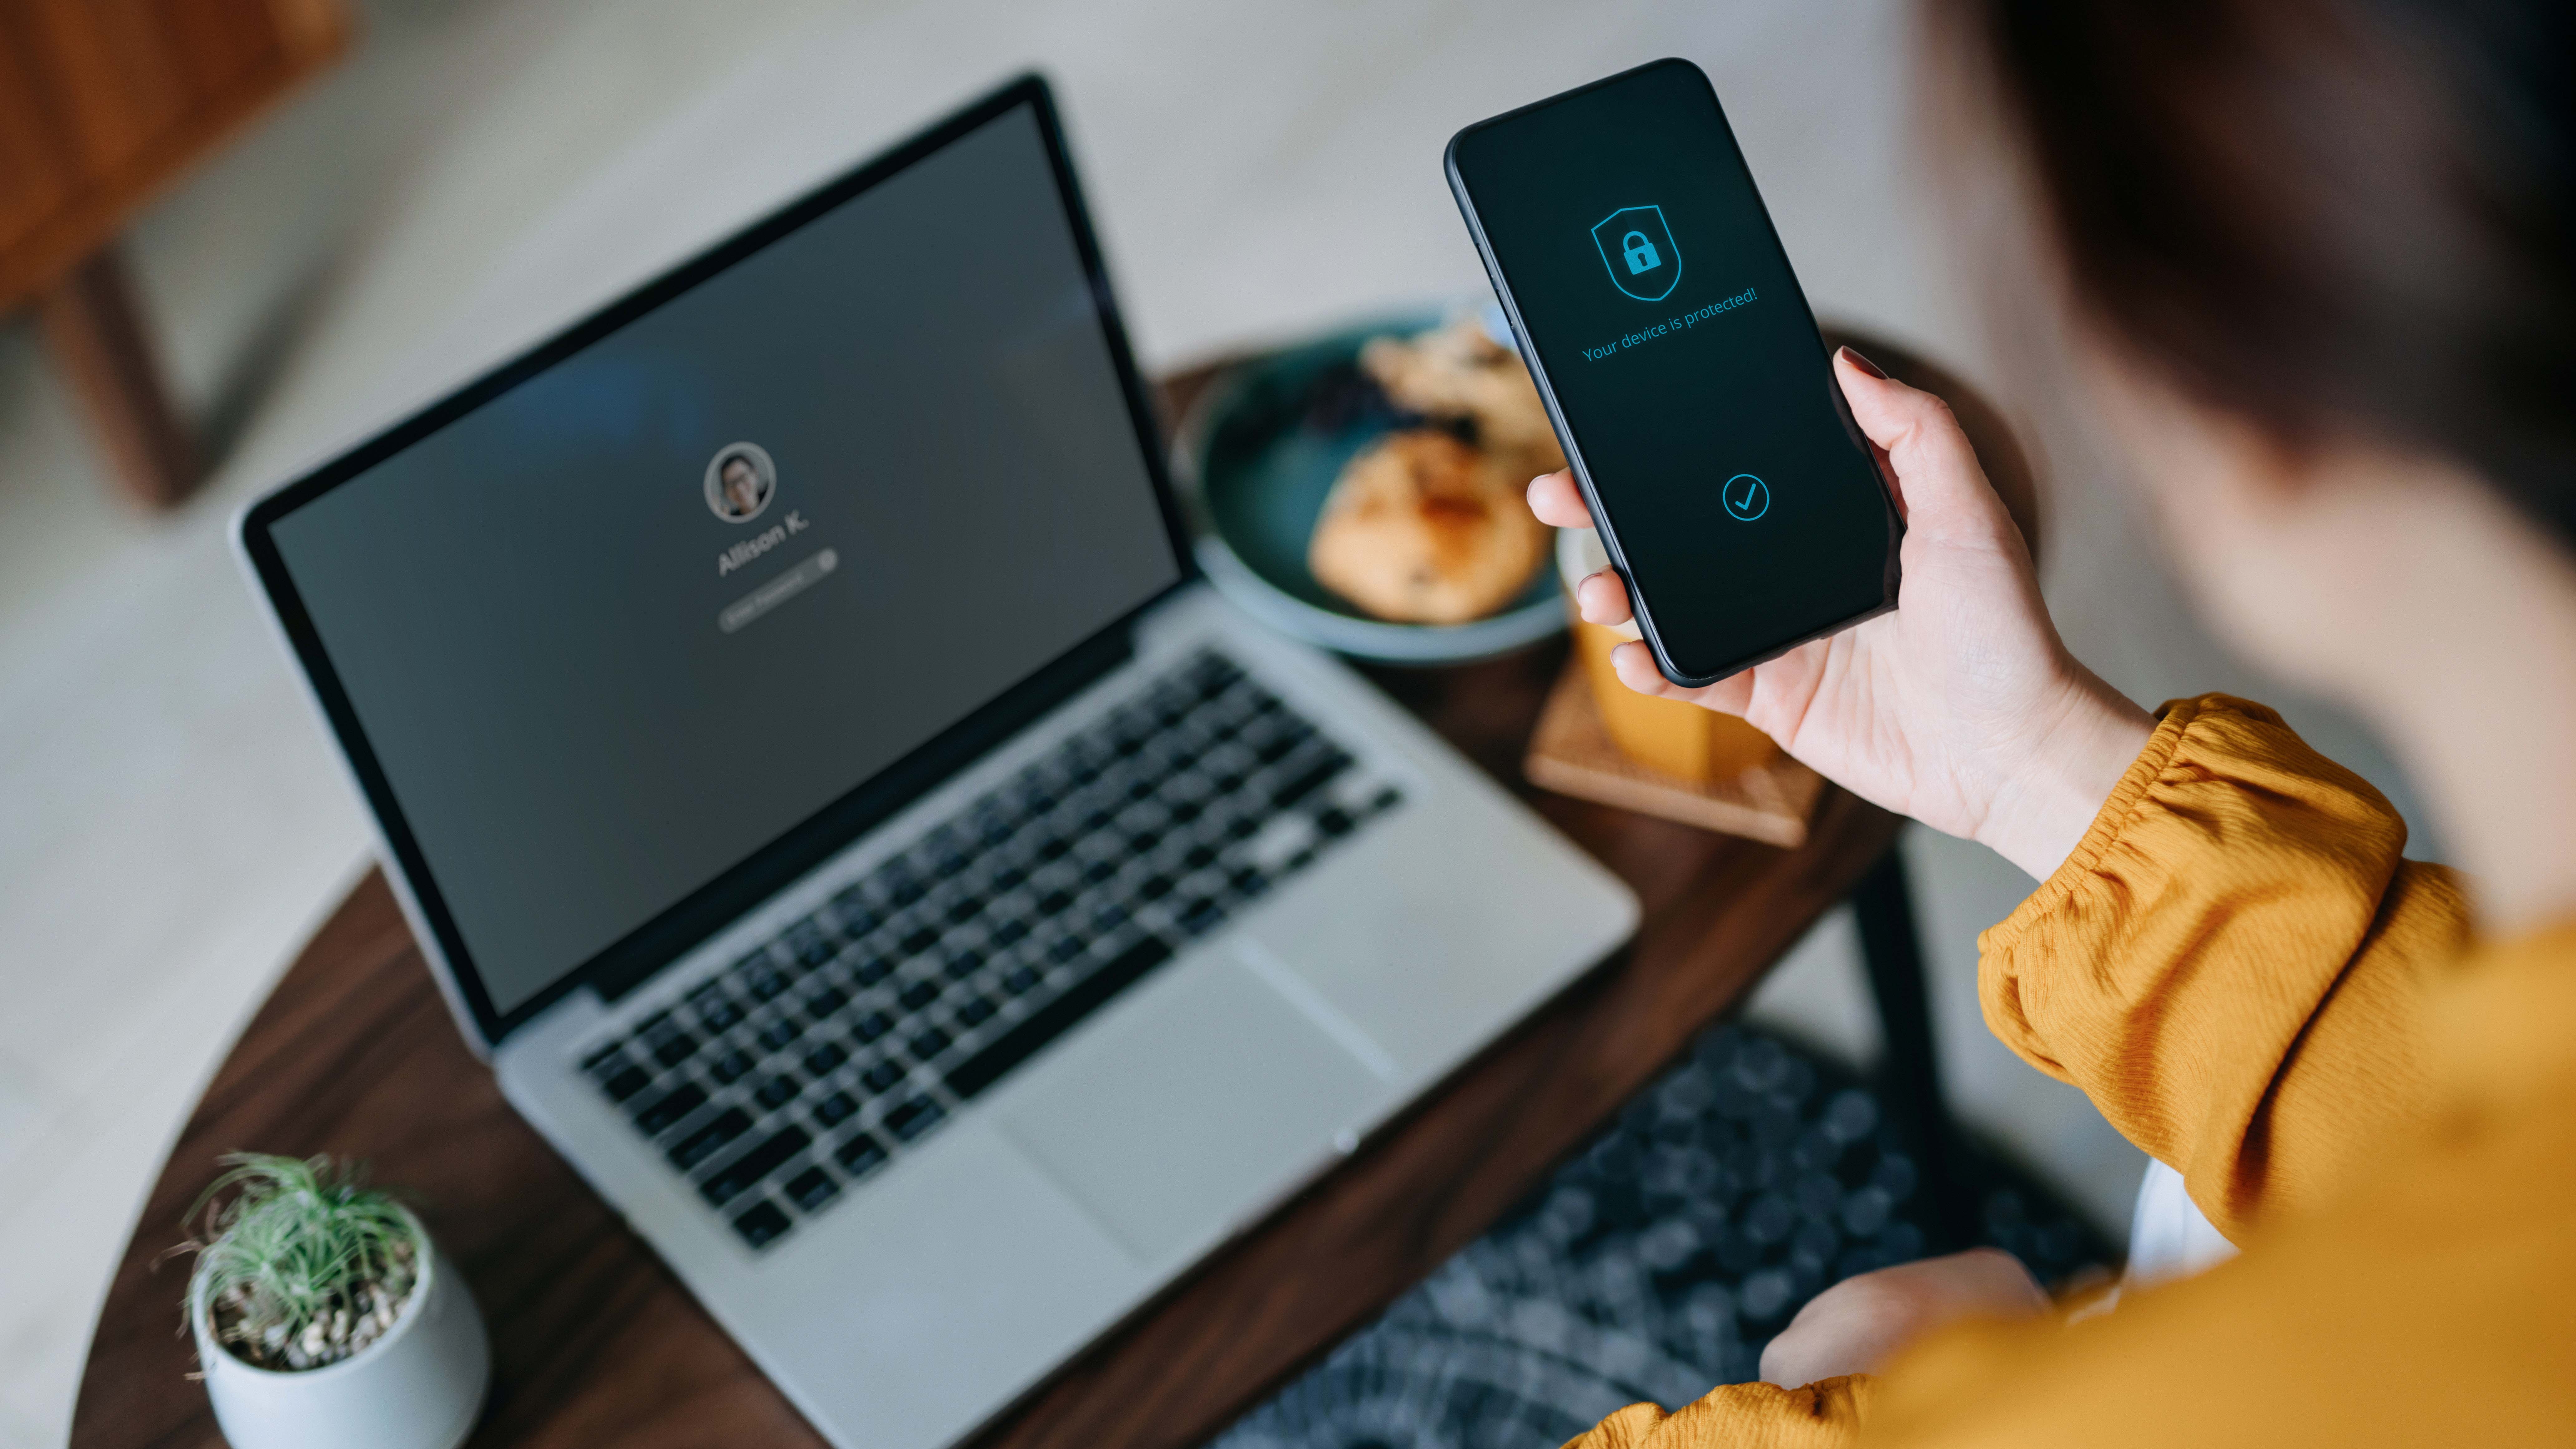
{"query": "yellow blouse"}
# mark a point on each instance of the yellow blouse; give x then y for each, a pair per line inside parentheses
(2239, 968)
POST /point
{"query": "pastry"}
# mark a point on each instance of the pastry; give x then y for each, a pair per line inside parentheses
(1423, 528)
(1457, 370)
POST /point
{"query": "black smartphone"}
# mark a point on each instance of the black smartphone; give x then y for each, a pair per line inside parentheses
(1684, 373)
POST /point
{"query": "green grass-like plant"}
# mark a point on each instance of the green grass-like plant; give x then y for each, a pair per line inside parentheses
(303, 1265)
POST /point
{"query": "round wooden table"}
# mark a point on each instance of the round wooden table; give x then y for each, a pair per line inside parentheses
(596, 1343)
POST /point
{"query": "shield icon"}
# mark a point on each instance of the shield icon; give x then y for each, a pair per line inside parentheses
(1638, 249)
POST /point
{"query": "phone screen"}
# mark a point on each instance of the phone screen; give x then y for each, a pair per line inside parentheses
(1691, 389)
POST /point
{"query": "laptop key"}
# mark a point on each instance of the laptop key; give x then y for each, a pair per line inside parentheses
(975, 1012)
(730, 1067)
(918, 995)
(812, 1188)
(860, 1155)
(929, 1043)
(882, 1076)
(663, 1112)
(675, 1049)
(822, 1059)
(1310, 780)
(835, 1109)
(871, 1026)
(764, 1224)
(910, 1119)
(825, 1003)
(626, 1082)
(702, 1144)
(738, 1176)
(851, 907)
(779, 1033)
(779, 1090)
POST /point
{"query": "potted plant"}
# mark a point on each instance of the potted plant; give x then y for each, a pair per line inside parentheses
(324, 1315)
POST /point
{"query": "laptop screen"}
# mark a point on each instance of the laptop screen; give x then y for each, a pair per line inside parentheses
(632, 618)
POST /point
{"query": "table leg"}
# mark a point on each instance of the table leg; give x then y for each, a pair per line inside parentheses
(1911, 1069)
(96, 330)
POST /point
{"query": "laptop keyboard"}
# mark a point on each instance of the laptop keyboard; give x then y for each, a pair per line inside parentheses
(812, 1062)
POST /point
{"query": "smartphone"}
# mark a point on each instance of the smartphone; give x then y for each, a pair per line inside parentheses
(1693, 395)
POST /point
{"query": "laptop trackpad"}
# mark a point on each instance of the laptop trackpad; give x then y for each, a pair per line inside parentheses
(1197, 1105)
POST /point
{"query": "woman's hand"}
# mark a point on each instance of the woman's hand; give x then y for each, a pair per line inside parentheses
(1860, 1322)
(1962, 708)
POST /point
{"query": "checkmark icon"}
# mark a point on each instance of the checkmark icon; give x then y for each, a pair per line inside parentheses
(1746, 497)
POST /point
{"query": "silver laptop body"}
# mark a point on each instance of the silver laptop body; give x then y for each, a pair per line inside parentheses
(962, 1059)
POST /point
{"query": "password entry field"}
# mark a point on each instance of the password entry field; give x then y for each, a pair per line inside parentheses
(777, 591)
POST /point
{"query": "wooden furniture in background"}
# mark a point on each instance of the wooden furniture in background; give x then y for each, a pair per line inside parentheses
(102, 104)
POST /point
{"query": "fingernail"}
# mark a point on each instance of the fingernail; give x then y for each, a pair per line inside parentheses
(1852, 356)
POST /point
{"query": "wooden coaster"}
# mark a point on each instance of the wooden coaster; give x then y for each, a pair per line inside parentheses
(1571, 753)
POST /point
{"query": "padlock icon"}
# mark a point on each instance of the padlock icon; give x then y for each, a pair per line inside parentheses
(1638, 252)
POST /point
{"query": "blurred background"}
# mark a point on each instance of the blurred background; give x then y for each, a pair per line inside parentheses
(466, 175)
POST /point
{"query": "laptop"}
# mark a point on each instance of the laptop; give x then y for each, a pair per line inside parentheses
(859, 841)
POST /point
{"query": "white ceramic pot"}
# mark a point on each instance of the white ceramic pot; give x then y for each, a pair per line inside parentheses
(419, 1386)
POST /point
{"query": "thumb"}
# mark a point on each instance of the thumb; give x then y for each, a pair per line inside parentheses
(1937, 474)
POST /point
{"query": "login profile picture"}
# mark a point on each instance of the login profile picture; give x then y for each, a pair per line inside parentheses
(740, 482)
(1638, 249)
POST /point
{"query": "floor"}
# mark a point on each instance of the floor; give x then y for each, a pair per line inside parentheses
(171, 823)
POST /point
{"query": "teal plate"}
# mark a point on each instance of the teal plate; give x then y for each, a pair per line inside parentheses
(1256, 457)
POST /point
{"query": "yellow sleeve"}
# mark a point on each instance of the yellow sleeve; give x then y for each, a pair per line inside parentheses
(2432, 1304)
(2233, 964)
(1742, 1416)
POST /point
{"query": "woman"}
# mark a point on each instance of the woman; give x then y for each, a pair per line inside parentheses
(2322, 257)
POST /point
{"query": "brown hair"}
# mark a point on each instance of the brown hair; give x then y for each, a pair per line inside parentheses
(2334, 218)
